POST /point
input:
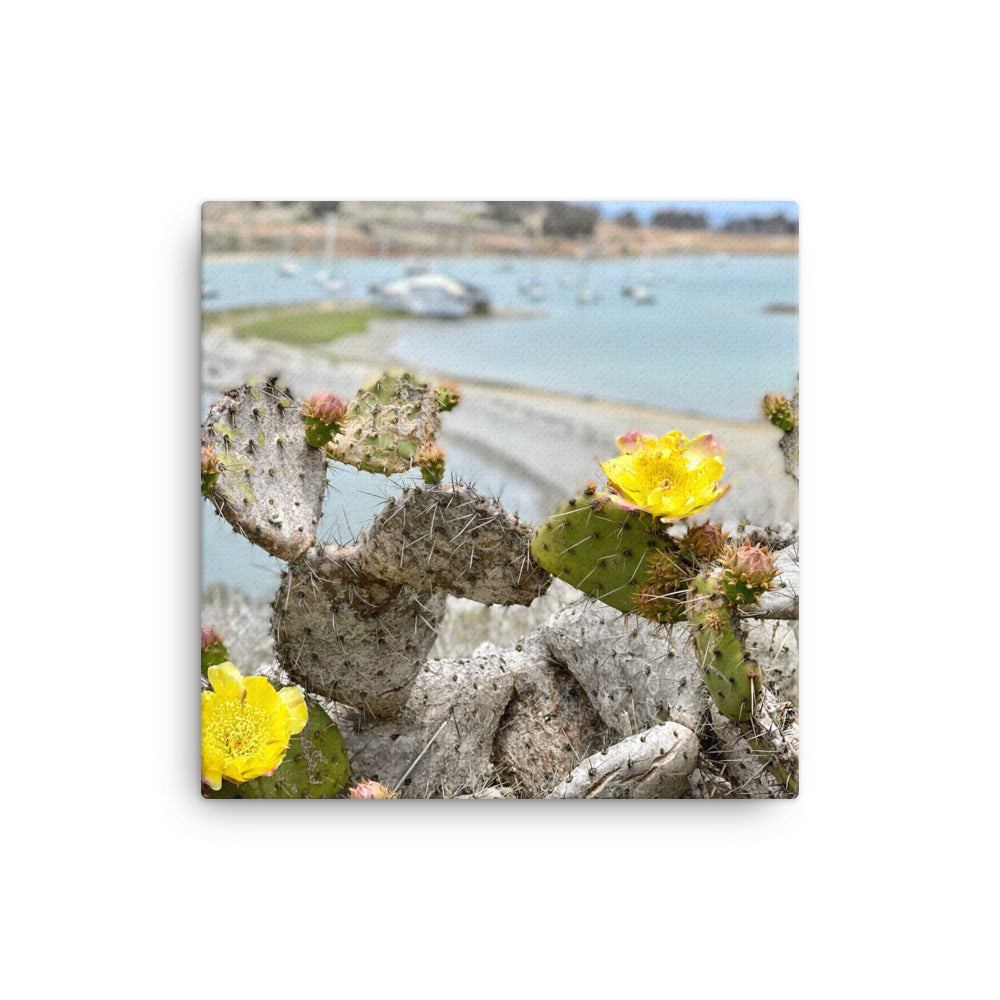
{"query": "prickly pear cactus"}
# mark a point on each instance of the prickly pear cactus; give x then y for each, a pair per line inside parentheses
(269, 483)
(601, 548)
(316, 765)
(351, 637)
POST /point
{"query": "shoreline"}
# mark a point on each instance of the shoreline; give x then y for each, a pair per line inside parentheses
(729, 248)
(545, 442)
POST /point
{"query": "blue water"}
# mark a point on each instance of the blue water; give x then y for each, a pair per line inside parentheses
(704, 346)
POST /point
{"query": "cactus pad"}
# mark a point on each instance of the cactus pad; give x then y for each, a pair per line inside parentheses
(271, 484)
(600, 548)
(448, 538)
(386, 424)
(733, 681)
(350, 637)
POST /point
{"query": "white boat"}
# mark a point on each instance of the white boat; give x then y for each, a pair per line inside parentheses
(586, 295)
(208, 291)
(431, 295)
(642, 296)
(534, 290)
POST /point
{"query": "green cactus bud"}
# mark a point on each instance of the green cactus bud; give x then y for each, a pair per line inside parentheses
(430, 461)
(704, 542)
(747, 573)
(324, 415)
(448, 396)
(210, 469)
(212, 650)
(779, 411)
(661, 598)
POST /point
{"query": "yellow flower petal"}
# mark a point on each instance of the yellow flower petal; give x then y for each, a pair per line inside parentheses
(223, 676)
(296, 702)
(213, 779)
(261, 693)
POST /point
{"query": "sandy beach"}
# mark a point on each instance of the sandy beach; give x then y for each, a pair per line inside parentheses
(547, 442)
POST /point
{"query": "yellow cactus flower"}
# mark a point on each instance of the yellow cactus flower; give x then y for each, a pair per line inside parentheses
(246, 725)
(670, 476)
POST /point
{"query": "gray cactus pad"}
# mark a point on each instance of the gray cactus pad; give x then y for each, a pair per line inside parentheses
(637, 673)
(348, 637)
(548, 727)
(450, 718)
(448, 538)
(272, 484)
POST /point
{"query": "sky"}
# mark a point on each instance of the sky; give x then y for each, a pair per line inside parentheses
(717, 212)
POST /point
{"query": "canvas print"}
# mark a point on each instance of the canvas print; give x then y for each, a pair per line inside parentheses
(499, 500)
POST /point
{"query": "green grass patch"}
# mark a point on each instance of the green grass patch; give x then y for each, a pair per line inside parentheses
(298, 325)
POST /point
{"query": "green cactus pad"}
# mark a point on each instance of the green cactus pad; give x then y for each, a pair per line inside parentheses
(386, 424)
(315, 767)
(600, 548)
(733, 682)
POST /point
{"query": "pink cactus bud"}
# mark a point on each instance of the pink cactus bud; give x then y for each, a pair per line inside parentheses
(209, 463)
(209, 637)
(325, 407)
(370, 790)
(752, 564)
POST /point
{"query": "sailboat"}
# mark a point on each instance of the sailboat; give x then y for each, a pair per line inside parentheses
(288, 268)
(587, 292)
(325, 275)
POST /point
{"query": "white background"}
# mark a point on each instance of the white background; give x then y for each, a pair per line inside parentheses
(878, 119)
